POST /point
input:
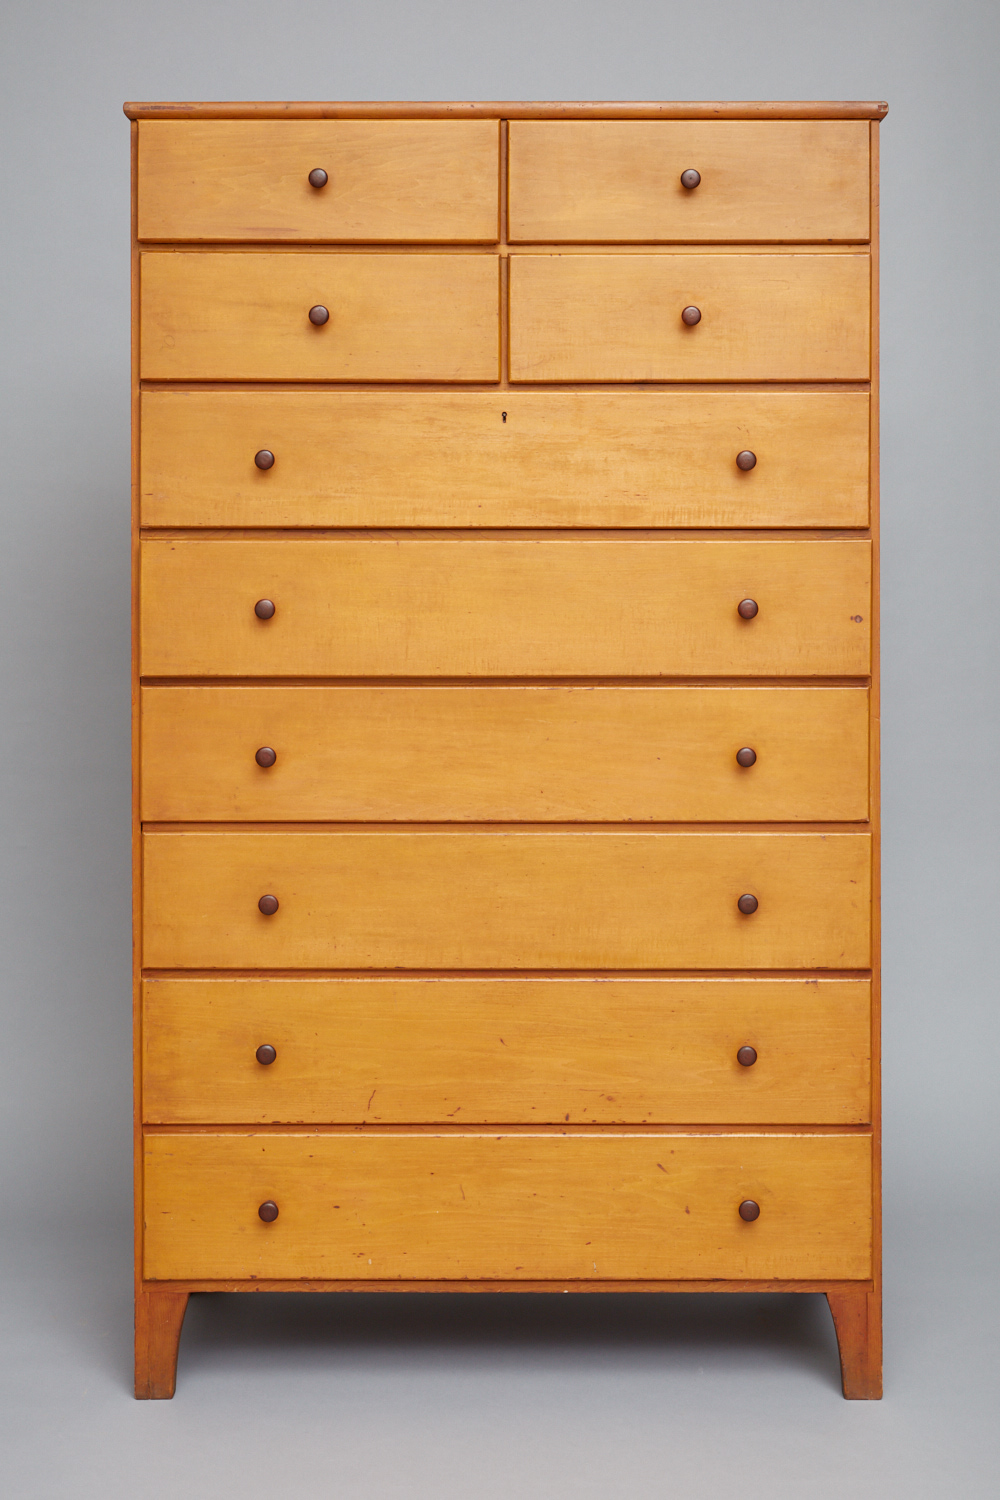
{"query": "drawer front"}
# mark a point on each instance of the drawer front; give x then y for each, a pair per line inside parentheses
(494, 1051)
(504, 754)
(506, 900)
(611, 180)
(525, 1207)
(618, 317)
(504, 458)
(389, 608)
(387, 180)
(233, 316)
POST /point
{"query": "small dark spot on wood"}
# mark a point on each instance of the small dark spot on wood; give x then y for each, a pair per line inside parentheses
(661, 1166)
(686, 1209)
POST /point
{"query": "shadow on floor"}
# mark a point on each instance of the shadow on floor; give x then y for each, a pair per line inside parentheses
(793, 1331)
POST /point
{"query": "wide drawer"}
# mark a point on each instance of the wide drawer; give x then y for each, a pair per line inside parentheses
(495, 1051)
(517, 1207)
(239, 316)
(505, 899)
(487, 608)
(386, 180)
(504, 458)
(504, 753)
(621, 180)
(618, 317)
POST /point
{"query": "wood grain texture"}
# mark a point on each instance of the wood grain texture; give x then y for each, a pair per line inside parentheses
(614, 180)
(618, 317)
(485, 608)
(504, 458)
(159, 1316)
(232, 315)
(857, 1317)
(257, 109)
(388, 180)
(517, 1206)
(492, 1051)
(505, 754)
(874, 1309)
(506, 900)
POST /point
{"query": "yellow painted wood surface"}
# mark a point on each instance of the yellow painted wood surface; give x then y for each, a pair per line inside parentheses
(504, 753)
(618, 317)
(528, 1206)
(487, 608)
(494, 1051)
(504, 458)
(210, 315)
(249, 180)
(620, 180)
(506, 900)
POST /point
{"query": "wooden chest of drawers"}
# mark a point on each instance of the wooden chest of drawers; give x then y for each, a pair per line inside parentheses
(506, 715)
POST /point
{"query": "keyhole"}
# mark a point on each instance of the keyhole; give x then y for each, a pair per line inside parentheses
(504, 415)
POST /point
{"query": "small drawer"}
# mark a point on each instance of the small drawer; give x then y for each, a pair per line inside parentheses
(506, 899)
(392, 1051)
(620, 180)
(622, 317)
(385, 180)
(517, 1207)
(216, 315)
(507, 754)
(485, 608)
(504, 458)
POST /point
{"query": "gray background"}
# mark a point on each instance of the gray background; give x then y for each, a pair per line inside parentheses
(483, 1397)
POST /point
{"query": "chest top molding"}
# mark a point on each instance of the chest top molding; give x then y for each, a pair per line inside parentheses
(256, 109)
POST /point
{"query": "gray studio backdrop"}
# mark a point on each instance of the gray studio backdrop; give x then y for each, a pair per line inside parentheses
(67, 65)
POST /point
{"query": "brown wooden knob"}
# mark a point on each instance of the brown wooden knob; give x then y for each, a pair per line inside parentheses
(318, 178)
(749, 1210)
(744, 757)
(269, 1211)
(266, 1054)
(746, 1057)
(264, 609)
(690, 178)
(264, 459)
(746, 460)
(691, 316)
(269, 905)
(319, 315)
(747, 904)
(746, 609)
(266, 756)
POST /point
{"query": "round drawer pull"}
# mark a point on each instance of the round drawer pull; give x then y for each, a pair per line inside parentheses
(266, 1054)
(269, 905)
(264, 459)
(690, 178)
(319, 315)
(266, 756)
(747, 904)
(318, 178)
(264, 609)
(746, 609)
(744, 757)
(749, 1210)
(746, 460)
(269, 1211)
(691, 316)
(746, 1056)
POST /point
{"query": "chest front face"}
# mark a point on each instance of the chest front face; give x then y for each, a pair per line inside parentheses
(506, 703)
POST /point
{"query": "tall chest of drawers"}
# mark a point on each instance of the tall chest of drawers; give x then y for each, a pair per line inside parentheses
(505, 497)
